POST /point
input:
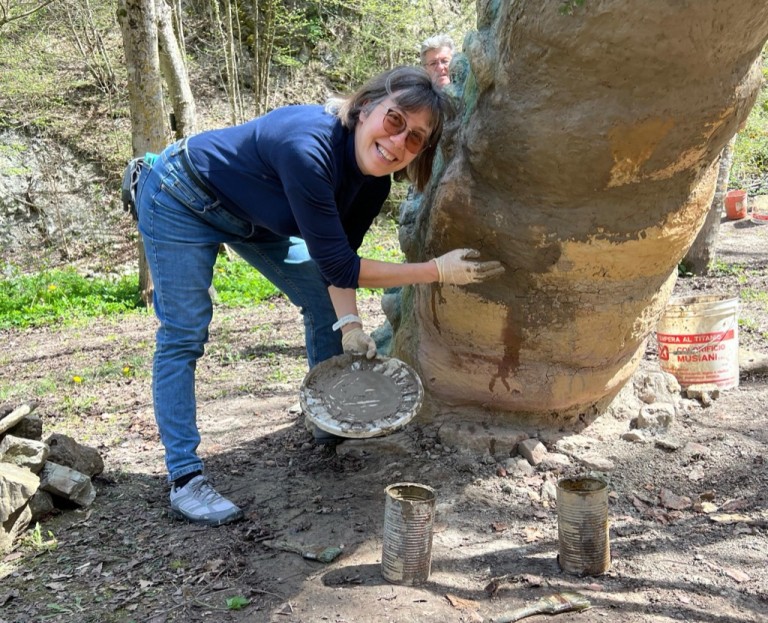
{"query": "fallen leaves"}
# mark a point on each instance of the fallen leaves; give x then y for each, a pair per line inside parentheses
(496, 583)
(730, 518)
(705, 507)
(668, 506)
(673, 501)
(532, 534)
(734, 505)
(736, 574)
(459, 602)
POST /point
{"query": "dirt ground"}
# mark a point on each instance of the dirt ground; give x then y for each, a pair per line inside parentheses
(495, 534)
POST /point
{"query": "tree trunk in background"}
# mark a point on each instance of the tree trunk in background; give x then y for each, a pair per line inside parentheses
(702, 251)
(585, 159)
(232, 78)
(138, 23)
(175, 73)
(264, 19)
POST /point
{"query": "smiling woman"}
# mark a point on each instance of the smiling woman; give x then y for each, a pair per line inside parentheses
(408, 91)
(387, 140)
(293, 193)
(394, 123)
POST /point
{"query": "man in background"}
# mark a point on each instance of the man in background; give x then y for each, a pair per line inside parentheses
(436, 55)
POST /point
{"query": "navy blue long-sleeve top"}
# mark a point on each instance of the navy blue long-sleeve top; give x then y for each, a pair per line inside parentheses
(293, 172)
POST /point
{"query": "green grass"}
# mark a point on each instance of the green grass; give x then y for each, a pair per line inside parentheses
(750, 294)
(11, 390)
(26, 76)
(381, 243)
(63, 296)
(721, 268)
(238, 285)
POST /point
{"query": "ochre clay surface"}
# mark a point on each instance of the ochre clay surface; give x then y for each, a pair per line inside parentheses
(585, 160)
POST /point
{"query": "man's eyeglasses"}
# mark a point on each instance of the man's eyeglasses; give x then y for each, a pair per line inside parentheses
(439, 62)
(394, 123)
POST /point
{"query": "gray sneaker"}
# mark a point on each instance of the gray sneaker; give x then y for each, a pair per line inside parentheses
(198, 502)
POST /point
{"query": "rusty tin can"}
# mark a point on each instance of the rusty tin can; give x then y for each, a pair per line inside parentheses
(409, 512)
(582, 526)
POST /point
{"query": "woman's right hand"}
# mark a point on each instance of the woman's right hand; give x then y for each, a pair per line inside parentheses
(458, 268)
(358, 342)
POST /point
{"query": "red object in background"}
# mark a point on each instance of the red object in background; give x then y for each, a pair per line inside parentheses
(736, 204)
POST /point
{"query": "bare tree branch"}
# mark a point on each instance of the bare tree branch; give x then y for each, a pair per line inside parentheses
(7, 10)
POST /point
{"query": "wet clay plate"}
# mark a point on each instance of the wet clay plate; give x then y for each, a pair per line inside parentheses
(351, 396)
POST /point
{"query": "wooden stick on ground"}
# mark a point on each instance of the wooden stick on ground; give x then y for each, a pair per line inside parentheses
(554, 604)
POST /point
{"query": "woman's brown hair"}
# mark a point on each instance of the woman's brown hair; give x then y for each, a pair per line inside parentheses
(412, 89)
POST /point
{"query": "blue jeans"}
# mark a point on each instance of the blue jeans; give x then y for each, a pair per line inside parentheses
(182, 228)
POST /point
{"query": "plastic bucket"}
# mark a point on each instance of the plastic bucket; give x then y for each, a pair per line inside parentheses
(760, 210)
(407, 549)
(736, 204)
(698, 340)
(582, 526)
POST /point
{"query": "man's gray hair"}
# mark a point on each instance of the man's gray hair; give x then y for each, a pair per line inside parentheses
(435, 43)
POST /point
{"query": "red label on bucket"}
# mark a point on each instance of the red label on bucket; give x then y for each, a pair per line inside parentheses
(699, 338)
(700, 357)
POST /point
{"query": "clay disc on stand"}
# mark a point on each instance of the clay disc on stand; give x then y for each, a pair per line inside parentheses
(351, 396)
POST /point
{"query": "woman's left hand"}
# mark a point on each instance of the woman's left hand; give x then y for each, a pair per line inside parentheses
(358, 342)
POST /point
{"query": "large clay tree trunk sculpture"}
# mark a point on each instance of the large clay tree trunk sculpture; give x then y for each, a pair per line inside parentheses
(584, 158)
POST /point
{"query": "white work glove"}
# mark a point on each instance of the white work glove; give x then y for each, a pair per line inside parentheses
(456, 268)
(358, 342)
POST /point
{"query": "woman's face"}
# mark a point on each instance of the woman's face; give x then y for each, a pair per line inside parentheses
(380, 153)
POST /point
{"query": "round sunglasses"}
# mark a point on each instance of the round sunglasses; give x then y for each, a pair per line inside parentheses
(394, 123)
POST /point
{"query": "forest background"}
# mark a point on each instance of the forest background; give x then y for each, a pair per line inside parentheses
(63, 78)
(64, 88)
(76, 338)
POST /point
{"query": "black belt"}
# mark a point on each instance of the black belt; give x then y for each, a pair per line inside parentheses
(190, 170)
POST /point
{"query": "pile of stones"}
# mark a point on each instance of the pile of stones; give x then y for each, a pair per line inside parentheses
(37, 477)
